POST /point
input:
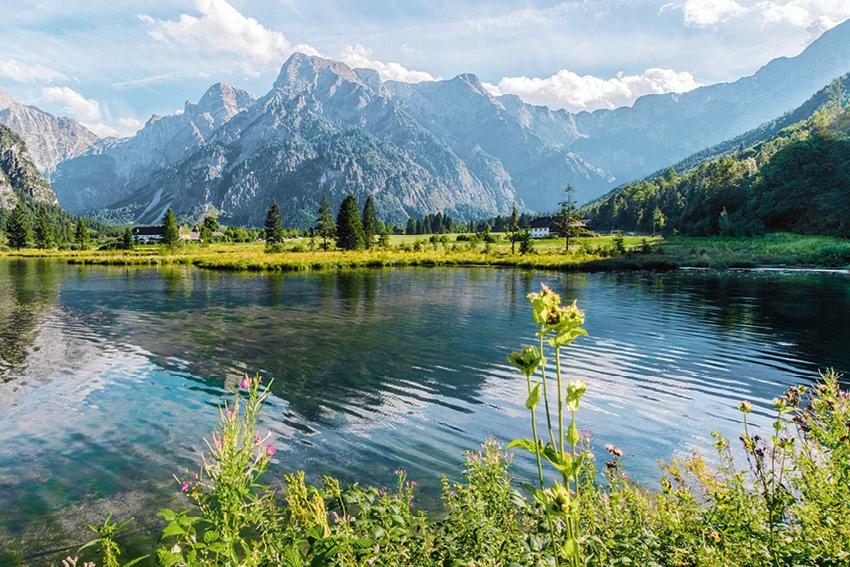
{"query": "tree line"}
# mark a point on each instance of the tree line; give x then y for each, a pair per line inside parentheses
(798, 181)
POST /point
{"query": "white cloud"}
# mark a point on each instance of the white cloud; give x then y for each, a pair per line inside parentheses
(121, 128)
(574, 92)
(222, 28)
(816, 16)
(73, 103)
(701, 13)
(357, 56)
(25, 73)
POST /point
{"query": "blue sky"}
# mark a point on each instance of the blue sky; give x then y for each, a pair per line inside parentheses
(111, 64)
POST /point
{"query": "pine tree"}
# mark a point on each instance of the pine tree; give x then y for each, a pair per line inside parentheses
(411, 226)
(18, 228)
(514, 226)
(171, 238)
(349, 227)
(371, 224)
(81, 233)
(566, 220)
(325, 226)
(274, 225)
(44, 232)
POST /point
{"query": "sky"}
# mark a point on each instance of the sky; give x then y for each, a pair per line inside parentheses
(112, 64)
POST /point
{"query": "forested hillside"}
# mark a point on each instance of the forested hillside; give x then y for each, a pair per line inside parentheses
(793, 178)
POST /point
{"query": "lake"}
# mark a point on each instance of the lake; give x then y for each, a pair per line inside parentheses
(110, 377)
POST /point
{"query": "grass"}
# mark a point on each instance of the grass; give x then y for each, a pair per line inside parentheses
(586, 254)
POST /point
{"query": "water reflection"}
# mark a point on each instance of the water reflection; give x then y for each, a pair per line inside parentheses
(115, 372)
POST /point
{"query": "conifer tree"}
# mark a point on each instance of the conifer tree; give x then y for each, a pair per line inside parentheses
(81, 233)
(325, 226)
(349, 227)
(18, 228)
(514, 226)
(274, 225)
(127, 239)
(44, 230)
(567, 218)
(171, 238)
(371, 224)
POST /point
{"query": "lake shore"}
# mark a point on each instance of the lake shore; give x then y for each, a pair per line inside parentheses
(586, 254)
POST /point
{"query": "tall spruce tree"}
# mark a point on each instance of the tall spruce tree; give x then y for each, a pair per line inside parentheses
(325, 226)
(18, 228)
(566, 220)
(44, 233)
(81, 233)
(514, 226)
(171, 238)
(349, 227)
(371, 224)
(274, 225)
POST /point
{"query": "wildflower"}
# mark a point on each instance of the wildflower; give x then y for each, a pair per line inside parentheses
(613, 450)
(526, 361)
(184, 486)
(245, 384)
(745, 407)
(559, 498)
(543, 304)
(229, 411)
(176, 549)
(270, 451)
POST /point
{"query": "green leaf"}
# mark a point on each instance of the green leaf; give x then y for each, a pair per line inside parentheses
(172, 529)
(526, 444)
(533, 397)
(136, 560)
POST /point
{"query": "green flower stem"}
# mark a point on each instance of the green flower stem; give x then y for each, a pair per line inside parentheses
(560, 401)
(546, 393)
(534, 436)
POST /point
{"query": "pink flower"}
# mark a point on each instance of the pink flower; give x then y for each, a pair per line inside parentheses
(270, 451)
(185, 486)
(245, 383)
(229, 412)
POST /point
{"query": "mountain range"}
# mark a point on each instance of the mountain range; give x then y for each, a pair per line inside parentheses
(448, 145)
(49, 139)
(791, 174)
(20, 179)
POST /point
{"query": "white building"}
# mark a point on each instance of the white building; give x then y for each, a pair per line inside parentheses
(540, 228)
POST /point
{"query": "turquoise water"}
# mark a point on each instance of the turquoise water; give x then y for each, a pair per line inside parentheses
(109, 377)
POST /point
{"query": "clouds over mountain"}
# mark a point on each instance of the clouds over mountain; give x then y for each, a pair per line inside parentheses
(576, 93)
(222, 28)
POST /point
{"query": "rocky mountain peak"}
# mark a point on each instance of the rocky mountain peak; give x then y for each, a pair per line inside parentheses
(309, 72)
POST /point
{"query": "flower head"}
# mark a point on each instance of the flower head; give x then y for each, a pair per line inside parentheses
(745, 407)
(184, 486)
(543, 304)
(270, 451)
(245, 384)
(526, 361)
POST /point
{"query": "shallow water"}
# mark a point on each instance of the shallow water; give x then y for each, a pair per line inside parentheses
(109, 377)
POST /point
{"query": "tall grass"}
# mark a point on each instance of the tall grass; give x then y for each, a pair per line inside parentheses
(786, 503)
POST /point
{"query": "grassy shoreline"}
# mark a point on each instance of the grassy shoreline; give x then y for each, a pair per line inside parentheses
(586, 254)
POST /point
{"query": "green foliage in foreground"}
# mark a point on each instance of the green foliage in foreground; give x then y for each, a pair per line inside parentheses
(786, 503)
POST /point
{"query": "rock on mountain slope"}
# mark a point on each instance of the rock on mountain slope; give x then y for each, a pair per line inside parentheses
(49, 139)
(325, 128)
(19, 176)
(632, 142)
(113, 168)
